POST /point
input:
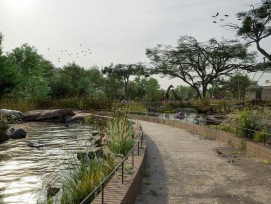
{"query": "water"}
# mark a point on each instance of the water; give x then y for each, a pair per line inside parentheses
(23, 169)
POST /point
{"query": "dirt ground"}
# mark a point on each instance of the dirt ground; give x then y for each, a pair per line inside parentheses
(187, 168)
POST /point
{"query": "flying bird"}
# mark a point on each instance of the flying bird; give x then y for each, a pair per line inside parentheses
(214, 21)
(217, 14)
(226, 15)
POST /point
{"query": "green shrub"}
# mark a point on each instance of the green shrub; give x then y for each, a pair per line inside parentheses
(82, 179)
(249, 124)
(120, 134)
(261, 136)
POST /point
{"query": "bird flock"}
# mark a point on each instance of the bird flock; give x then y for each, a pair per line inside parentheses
(217, 16)
(82, 52)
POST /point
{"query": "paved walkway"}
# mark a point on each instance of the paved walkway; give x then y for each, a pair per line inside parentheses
(186, 168)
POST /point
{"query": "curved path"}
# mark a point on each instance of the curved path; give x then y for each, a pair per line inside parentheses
(186, 168)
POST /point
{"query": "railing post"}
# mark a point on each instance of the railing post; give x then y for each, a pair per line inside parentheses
(133, 158)
(141, 140)
(138, 148)
(102, 193)
(122, 172)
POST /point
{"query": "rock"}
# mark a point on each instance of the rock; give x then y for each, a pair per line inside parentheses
(52, 191)
(78, 117)
(3, 137)
(35, 144)
(94, 152)
(17, 114)
(17, 134)
(58, 115)
(180, 115)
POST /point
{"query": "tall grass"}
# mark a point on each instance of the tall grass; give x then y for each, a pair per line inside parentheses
(80, 103)
(80, 180)
(120, 134)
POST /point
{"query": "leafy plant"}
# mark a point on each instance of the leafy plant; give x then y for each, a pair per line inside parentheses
(120, 134)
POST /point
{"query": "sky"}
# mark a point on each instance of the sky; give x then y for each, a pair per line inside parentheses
(113, 31)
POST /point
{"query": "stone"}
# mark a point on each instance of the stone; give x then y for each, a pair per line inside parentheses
(3, 137)
(58, 115)
(35, 144)
(17, 114)
(17, 134)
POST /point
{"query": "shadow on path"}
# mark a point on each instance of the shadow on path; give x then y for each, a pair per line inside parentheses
(154, 185)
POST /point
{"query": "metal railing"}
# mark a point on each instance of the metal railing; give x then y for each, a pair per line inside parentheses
(101, 186)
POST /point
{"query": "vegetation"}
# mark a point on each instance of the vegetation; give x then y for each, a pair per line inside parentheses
(199, 64)
(81, 178)
(120, 134)
(255, 25)
(249, 123)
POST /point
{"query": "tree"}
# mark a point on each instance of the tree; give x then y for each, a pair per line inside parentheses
(124, 71)
(96, 82)
(74, 80)
(199, 64)
(237, 85)
(33, 70)
(145, 89)
(186, 92)
(255, 26)
(9, 73)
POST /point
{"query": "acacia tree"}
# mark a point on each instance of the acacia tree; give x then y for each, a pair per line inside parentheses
(199, 64)
(124, 71)
(255, 25)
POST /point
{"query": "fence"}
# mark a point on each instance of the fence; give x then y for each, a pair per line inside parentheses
(101, 186)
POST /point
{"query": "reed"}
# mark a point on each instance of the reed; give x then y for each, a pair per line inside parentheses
(120, 133)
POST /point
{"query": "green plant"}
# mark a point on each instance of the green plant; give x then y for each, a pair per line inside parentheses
(120, 134)
(249, 124)
(261, 136)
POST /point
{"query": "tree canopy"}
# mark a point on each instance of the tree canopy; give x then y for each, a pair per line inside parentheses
(255, 25)
(124, 72)
(199, 64)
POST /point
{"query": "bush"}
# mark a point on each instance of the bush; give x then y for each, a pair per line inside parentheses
(249, 124)
(120, 134)
(261, 136)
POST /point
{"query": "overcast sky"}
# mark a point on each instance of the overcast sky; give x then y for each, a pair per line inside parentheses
(114, 31)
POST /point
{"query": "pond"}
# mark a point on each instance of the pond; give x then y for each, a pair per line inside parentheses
(23, 170)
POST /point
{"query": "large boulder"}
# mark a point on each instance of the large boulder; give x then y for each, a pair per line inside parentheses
(56, 115)
(3, 137)
(15, 113)
(17, 134)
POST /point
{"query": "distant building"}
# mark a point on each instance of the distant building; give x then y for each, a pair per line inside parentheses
(259, 92)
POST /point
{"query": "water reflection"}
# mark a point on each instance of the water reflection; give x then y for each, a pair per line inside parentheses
(23, 169)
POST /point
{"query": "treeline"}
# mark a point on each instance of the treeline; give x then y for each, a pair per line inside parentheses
(26, 74)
